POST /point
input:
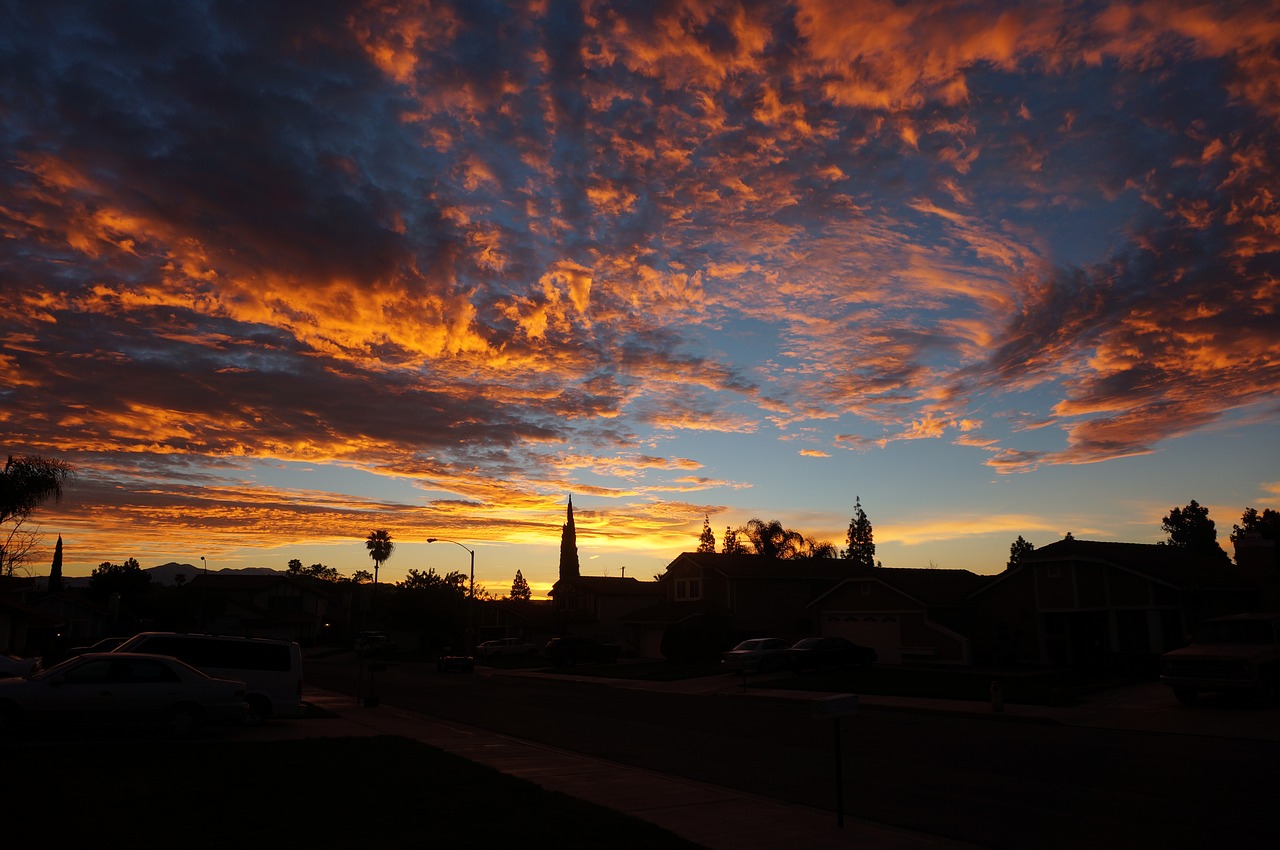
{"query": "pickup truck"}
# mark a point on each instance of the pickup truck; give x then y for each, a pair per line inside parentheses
(1239, 653)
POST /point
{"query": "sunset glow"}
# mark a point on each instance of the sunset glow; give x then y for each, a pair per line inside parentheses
(274, 276)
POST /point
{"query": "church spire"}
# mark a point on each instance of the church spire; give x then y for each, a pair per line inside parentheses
(569, 547)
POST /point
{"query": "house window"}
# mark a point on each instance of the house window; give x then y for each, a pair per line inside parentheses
(688, 588)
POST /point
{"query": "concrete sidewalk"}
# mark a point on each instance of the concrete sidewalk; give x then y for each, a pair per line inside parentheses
(714, 817)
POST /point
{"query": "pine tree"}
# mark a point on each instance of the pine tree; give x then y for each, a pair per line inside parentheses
(707, 542)
(520, 588)
(731, 544)
(1019, 550)
(569, 547)
(55, 569)
(861, 547)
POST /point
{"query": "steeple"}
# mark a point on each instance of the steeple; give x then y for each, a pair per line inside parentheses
(569, 547)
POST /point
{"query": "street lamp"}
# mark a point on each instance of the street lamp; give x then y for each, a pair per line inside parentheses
(471, 604)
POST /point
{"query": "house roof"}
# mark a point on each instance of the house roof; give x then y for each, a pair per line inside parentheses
(608, 585)
(931, 586)
(927, 585)
(761, 567)
(1172, 565)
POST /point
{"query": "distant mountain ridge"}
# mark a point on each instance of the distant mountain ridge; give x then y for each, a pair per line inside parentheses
(166, 574)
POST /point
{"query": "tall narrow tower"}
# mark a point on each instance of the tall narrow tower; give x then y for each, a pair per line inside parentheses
(569, 547)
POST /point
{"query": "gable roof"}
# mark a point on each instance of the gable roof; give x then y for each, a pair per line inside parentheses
(761, 567)
(1171, 565)
(927, 585)
(608, 585)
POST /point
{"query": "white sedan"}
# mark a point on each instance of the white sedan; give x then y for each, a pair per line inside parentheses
(121, 688)
(758, 655)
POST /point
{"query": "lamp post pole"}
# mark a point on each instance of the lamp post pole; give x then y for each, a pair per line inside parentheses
(471, 601)
(204, 568)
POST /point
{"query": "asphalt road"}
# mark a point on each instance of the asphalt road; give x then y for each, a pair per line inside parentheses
(986, 781)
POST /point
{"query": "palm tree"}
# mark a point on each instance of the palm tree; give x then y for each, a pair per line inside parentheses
(28, 481)
(25, 482)
(380, 548)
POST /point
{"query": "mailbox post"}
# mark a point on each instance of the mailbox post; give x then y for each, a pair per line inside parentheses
(836, 707)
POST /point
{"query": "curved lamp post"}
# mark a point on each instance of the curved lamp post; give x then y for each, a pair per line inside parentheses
(471, 602)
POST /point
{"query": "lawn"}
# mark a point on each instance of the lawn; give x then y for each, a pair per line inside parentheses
(380, 792)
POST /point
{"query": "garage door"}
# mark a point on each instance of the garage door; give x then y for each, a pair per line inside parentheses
(881, 632)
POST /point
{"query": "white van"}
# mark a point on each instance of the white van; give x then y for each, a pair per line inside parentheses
(270, 669)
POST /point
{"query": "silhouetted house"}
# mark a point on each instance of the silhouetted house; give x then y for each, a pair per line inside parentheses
(744, 596)
(15, 618)
(599, 606)
(277, 606)
(73, 618)
(1258, 560)
(1084, 602)
(906, 615)
(533, 620)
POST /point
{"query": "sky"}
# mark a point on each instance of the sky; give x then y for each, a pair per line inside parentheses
(275, 275)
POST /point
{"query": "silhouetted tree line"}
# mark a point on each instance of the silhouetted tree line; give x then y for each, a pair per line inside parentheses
(773, 540)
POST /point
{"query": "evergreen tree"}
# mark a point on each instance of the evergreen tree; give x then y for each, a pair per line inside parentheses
(1190, 528)
(707, 542)
(520, 588)
(1019, 550)
(861, 548)
(731, 544)
(569, 547)
(55, 569)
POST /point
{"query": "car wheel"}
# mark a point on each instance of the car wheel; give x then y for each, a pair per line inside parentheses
(185, 720)
(259, 711)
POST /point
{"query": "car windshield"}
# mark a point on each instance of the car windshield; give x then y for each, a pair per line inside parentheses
(1235, 631)
(808, 643)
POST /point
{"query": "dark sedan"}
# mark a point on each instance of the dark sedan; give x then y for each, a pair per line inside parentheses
(113, 688)
(570, 650)
(824, 652)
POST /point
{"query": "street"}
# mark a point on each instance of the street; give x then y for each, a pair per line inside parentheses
(981, 780)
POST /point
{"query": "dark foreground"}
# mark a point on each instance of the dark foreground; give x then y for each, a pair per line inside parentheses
(215, 793)
(986, 781)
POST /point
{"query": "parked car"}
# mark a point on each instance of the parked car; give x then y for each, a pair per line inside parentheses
(505, 646)
(114, 689)
(572, 649)
(822, 652)
(12, 665)
(372, 643)
(758, 655)
(454, 662)
(1239, 654)
(270, 669)
(105, 645)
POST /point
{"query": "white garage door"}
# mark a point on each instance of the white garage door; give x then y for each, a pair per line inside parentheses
(881, 632)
